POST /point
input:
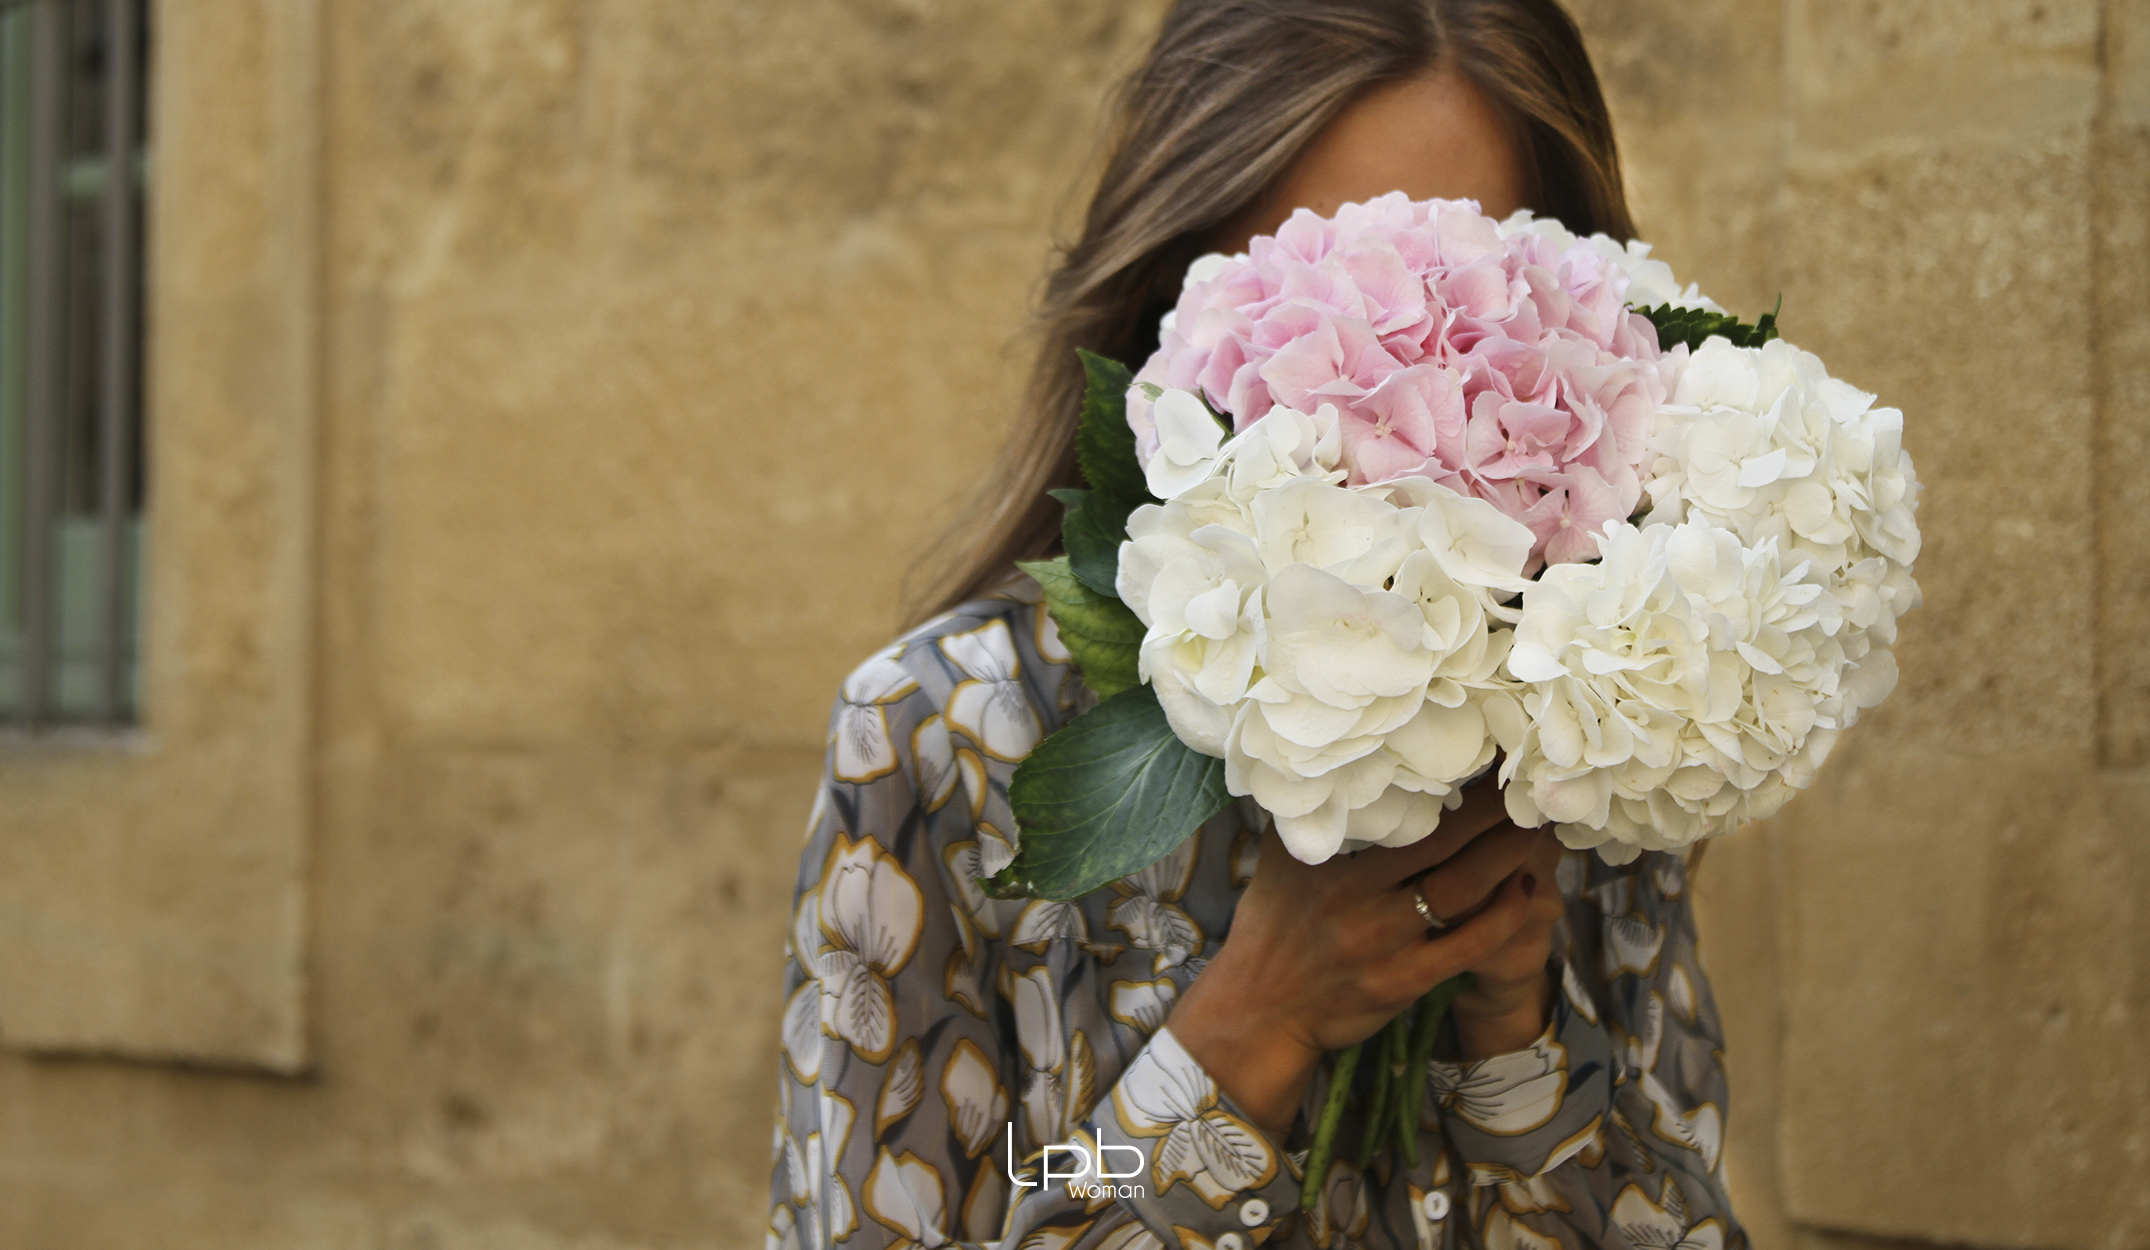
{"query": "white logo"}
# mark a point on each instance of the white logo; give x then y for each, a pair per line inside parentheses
(1076, 1186)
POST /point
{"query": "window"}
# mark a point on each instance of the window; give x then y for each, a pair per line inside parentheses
(73, 168)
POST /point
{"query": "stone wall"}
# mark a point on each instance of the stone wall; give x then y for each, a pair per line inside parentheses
(640, 344)
(1936, 966)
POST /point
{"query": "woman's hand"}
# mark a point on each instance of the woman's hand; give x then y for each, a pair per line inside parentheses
(1505, 1009)
(1322, 955)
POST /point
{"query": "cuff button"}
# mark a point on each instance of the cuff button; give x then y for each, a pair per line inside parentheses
(1253, 1213)
(1435, 1205)
(1231, 1241)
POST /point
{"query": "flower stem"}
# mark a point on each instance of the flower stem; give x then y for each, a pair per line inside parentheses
(1345, 1066)
(1386, 1054)
(1425, 1031)
(1400, 1053)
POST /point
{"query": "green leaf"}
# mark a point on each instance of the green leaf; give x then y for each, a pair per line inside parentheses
(1104, 445)
(1096, 522)
(1095, 526)
(1103, 634)
(1692, 325)
(1109, 794)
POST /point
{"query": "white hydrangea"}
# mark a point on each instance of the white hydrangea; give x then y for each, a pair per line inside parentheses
(1349, 653)
(1335, 646)
(1650, 282)
(1763, 442)
(1681, 686)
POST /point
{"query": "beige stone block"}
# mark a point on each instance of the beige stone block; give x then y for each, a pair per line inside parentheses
(1956, 286)
(2126, 36)
(1869, 77)
(634, 401)
(1953, 906)
(564, 989)
(152, 882)
(1735, 891)
(1964, 1058)
(2122, 361)
(544, 997)
(1694, 91)
(764, 360)
(1956, 898)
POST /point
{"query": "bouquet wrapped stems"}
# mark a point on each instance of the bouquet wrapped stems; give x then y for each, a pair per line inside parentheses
(1398, 1055)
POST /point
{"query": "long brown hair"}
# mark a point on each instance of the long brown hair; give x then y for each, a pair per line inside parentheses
(1230, 94)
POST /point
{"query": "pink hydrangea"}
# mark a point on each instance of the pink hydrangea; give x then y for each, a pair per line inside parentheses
(1504, 365)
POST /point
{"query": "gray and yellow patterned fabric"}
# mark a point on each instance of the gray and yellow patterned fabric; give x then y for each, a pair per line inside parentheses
(961, 1071)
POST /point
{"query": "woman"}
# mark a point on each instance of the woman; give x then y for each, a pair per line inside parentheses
(1137, 1068)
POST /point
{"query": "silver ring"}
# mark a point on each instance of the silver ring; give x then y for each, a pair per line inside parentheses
(1418, 900)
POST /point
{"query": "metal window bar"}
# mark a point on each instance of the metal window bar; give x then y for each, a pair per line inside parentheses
(72, 175)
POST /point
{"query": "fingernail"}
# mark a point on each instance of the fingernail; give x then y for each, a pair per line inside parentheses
(1530, 884)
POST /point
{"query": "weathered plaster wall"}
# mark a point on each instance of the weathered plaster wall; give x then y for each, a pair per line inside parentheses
(654, 338)
(1936, 967)
(654, 335)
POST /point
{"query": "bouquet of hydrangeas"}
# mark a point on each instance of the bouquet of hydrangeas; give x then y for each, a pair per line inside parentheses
(1408, 490)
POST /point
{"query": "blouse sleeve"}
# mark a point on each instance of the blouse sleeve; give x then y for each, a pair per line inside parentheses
(903, 1115)
(1608, 1131)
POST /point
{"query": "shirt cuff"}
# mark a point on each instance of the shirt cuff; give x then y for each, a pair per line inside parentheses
(1514, 1116)
(1179, 1155)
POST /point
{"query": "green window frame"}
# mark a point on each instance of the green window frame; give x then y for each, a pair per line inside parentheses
(73, 93)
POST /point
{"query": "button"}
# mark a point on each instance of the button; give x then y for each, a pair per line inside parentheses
(1435, 1205)
(1253, 1213)
(1231, 1241)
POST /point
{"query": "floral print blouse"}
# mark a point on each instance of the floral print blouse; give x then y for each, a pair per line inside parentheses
(963, 1071)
